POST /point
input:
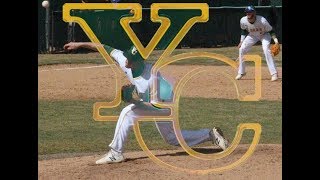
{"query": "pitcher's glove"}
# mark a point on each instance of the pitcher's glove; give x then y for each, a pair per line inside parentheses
(275, 49)
(129, 94)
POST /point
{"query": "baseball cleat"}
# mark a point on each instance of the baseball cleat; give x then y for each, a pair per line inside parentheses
(239, 76)
(111, 157)
(274, 77)
(218, 138)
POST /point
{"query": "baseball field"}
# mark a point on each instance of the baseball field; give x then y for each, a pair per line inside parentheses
(70, 141)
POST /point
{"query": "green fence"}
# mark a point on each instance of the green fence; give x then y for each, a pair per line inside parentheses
(212, 3)
(222, 29)
(216, 3)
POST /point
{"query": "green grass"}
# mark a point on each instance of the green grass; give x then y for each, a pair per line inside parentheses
(68, 127)
(51, 59)
(96, 58)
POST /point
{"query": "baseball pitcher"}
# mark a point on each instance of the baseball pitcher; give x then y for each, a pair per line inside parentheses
(137, 94)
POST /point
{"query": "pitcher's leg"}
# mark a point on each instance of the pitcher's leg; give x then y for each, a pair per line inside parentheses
(166, 128)
(123, 127)
(126, 120)
(191, 137)
(124, 124)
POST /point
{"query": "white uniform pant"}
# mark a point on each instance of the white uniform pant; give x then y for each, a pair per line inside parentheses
(130, 114)
(248, 42)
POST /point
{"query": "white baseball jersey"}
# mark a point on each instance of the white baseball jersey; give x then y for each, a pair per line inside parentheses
(118, 56)
(143, 82)
(258, 28)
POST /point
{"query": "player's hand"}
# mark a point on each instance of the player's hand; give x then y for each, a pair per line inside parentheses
(239, 45)
(71, 46)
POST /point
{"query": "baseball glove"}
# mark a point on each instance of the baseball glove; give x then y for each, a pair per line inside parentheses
(129, 94)
(275, 49)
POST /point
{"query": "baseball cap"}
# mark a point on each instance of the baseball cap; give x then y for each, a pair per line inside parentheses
(132, 54)
(249, 9)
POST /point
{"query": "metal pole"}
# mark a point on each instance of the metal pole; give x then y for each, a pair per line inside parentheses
(71, 30)
(73, 35)
(52, 33)
(47, 24)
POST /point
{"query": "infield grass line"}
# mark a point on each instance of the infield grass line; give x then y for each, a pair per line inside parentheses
(75, 68)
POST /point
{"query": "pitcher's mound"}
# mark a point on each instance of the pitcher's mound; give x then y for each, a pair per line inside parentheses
(266, 162)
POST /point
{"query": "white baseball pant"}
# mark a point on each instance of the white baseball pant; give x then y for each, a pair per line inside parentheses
(129, 116)
(246, 45)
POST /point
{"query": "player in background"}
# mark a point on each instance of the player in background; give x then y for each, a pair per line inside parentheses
(258, 29)
(139, 74)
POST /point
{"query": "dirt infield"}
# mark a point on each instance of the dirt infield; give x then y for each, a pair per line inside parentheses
(265, 163)
(98, 82)
(70, 82)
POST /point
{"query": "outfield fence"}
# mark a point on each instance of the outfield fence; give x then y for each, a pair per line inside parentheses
(222, 29)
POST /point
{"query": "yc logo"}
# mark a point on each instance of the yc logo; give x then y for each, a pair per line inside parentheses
(175, 19)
